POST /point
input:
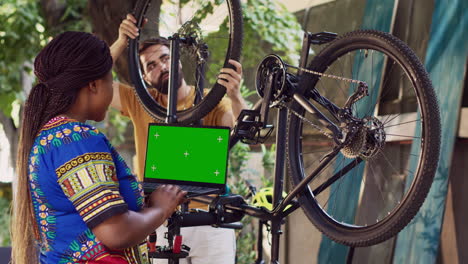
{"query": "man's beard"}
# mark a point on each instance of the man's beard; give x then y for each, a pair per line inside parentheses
(162, 85)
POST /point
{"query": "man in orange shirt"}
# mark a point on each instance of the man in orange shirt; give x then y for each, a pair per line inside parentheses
(208, 244)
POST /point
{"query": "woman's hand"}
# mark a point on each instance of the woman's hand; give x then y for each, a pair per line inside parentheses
(130, 228)
(167, 198)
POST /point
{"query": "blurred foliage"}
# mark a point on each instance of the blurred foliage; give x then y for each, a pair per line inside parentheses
(74, 18)
(268, 21)
(5, 222)
(268, 27)
(21, 37)
(238, 157)
(5, 201)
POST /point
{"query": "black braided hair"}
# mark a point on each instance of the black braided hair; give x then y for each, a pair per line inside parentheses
(68, 63)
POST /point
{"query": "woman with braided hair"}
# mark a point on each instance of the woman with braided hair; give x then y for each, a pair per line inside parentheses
(76, 200)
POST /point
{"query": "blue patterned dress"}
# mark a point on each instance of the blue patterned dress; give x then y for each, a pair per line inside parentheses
(77, 181)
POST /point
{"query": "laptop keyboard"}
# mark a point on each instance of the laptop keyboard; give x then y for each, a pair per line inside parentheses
(151, 186)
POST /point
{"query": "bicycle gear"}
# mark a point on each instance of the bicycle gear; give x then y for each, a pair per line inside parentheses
(375, 137)
(356, 144)
(271, 65)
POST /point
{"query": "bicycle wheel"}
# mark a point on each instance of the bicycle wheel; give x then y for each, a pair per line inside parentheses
(216, 29)
(381, 176)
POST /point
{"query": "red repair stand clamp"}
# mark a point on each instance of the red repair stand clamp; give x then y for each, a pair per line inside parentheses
(177, 248)
(152, 242)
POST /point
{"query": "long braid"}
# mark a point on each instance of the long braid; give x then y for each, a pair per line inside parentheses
(67, 64)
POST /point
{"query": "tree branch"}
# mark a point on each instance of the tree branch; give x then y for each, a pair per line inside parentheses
(53, 11)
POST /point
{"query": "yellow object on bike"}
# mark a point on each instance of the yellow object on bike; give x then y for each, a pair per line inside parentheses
(264, 198)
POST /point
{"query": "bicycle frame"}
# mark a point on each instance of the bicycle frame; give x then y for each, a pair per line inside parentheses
(281, 207)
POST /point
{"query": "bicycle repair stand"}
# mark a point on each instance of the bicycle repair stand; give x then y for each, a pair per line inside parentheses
(225, 210)
(217, 216)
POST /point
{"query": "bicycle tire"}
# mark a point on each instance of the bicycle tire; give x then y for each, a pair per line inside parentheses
(355, 232)
(213, 97)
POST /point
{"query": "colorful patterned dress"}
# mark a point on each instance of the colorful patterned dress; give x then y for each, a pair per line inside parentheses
(77, 181)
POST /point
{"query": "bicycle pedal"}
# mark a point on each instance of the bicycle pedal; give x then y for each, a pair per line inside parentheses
(248, 124)
(322, 37)
(263, 136)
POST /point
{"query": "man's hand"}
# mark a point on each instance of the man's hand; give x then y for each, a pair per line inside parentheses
(231, 79)
(127, 29)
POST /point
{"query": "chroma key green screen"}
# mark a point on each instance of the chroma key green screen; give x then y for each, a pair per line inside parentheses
(187, 153)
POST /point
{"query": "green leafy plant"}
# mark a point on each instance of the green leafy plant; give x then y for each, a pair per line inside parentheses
(21, 37)
(268, 27)
(5, 222)
(5, 202)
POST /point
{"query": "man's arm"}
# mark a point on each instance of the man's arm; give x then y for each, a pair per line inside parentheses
(227, 119)
(116, 103)
(238, 104)
(127, 30)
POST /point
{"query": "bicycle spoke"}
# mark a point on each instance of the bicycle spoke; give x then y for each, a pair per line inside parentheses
(337, 176)
(376, 182)
(412, 172)
(388, 161)
(403, 123)
(388, 78)
(313, 152)
(334, 191)
(402, 136)
(324, 169)
(388, 121)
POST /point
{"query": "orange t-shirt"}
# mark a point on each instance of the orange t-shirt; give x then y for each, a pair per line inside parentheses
(132, 108)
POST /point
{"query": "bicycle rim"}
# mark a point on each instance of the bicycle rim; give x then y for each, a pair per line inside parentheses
(219, 27)
(379, 183)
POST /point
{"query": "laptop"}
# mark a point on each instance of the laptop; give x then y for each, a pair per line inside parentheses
(193, 158)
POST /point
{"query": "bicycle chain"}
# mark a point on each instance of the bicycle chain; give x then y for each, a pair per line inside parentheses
(322, 75)
(306, 120)
(325, 75)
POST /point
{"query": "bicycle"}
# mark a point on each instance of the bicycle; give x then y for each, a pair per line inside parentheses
(364, 104)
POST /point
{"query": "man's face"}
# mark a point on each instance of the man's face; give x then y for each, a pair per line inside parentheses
(156, 65)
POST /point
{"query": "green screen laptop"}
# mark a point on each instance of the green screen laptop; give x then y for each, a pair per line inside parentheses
(193, 158)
